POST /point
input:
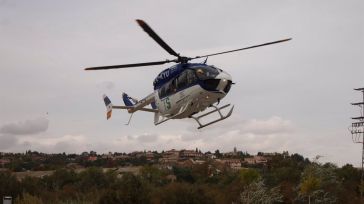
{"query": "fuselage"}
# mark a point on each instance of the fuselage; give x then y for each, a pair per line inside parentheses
(186, 89)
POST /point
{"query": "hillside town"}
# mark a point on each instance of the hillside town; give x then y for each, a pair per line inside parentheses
(175, 176)
(32, 163)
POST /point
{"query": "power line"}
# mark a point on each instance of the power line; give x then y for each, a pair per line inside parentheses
(357, 132)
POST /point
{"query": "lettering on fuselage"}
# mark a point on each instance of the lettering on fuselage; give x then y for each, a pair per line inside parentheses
(167, 103)
(165, 75)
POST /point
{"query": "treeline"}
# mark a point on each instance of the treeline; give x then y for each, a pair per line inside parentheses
(291, 179)
(20, 162)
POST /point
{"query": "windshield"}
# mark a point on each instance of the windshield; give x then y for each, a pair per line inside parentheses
(206, 73)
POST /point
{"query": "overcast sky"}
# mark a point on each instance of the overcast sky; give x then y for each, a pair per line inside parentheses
(291, 96)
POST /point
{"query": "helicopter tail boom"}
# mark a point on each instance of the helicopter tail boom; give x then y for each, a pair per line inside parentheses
(131, 105)
(134, 105)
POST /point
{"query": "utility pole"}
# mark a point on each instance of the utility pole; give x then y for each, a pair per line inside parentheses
(357, 133)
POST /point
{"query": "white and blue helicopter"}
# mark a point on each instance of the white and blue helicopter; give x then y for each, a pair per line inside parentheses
(183, 90)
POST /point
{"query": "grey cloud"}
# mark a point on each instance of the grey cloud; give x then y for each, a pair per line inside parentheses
(25, 127)
(7, 141)
(65, 143)
(144, 137)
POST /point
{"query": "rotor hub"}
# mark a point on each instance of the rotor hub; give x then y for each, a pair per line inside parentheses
(183, 59)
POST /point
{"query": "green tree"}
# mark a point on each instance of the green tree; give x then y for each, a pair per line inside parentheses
(59, 178)
(92, 178)
(9, 186)
(257, 192)
(319, 183)
(309, 186)
(183, 174)
(31, 185)
(218, 154)
(181, 193)
(153, 175)
(247, 176)
(350, 189)
(133, 190)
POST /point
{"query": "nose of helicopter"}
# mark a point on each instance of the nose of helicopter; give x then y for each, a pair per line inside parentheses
(225, 82)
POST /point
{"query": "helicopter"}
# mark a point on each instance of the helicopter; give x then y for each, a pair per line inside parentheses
(183, 90)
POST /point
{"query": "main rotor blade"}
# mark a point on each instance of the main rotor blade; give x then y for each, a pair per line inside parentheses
(154, 35)
(245, 48)
(129, 65)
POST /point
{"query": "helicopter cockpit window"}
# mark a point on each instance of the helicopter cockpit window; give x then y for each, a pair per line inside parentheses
(206, 73)
(168, 88)
(182, 80)
(171, 87)
(162, 92)
(191, 77)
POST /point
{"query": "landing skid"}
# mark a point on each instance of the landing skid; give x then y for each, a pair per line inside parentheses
(158, 119)
(217, 109)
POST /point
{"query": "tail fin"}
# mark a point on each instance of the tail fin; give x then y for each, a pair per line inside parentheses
(108, 105)
(128, 101)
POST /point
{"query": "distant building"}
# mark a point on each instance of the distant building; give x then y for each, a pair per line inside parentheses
(233, 153)
(107, 156)
(210, 156)
(190, 163)
(231, 163)
(92, 158)
(269, 154)
(190, 154)
(137, 154)
(4, 162)
(84, 154)
(121, 157)
(149, 155)
(170, 156)
(256, 160)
